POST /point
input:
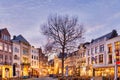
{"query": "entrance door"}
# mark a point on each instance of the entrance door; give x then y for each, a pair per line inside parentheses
(0, 74)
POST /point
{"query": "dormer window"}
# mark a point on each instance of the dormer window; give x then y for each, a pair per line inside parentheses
(5, 37)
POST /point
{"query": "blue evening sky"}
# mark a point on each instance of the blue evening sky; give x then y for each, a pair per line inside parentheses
(26, 16)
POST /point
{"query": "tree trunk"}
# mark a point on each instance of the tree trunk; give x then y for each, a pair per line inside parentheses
(63, 62)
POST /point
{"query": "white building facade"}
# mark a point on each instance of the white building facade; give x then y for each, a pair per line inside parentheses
(113, 56)
(97, 56)
(16, 60)
(35, 61)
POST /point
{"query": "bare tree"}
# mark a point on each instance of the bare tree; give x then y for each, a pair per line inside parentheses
(64, 32)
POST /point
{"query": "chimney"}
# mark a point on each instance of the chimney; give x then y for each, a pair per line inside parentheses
(14, 37)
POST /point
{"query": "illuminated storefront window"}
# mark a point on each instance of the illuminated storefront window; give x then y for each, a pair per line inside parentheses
(109, 72)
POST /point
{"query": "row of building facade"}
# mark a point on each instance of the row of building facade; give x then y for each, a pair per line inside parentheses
(100, 57)
(18, 58)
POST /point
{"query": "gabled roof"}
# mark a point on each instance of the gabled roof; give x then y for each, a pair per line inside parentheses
(107, 36)
(5, 29)
(20, 38)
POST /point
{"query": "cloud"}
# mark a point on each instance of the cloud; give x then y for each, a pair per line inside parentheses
(114, 16)
(91, 29)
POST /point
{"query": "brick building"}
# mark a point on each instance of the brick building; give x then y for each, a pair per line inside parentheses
(5, 54)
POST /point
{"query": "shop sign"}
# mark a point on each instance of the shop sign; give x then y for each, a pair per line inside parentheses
(118, 62)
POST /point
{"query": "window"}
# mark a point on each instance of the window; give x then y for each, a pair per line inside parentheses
(1, 46)
(91, 51)
(88, 60)
(96, 49)
(92, 60)
(101, 58)
(5, 47)
(25, 51)
(101, 48)
(88, 52)
(5, 37)
(16, 50)
(25, 60)
(109, 48)
(96, 59)
(32, 56)
(10, 48)
(110, 59)
(15, 57)
(6, 57)
(117, 45)
(1, 58)
(117, 48)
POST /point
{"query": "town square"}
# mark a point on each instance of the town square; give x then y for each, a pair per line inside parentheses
(59, 39)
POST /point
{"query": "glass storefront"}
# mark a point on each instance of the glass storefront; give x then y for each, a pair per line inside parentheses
(118, 71)
(104, 72)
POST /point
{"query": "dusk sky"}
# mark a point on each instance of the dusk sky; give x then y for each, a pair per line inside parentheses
(26, 16)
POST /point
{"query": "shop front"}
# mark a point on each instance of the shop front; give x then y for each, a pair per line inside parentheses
(34, 72)
(5, 71)
(89, 71)
(107, 72)
(25, 70)
(119, 71)
(83, 71)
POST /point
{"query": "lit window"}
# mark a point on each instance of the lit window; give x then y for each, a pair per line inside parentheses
(5, 47)
(117, 48)
(1, 46)
(25, 60)
(109, 48)
(10, 48)
(117, 45)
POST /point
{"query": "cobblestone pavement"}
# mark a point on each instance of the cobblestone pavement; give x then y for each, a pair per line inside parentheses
(42, 78)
